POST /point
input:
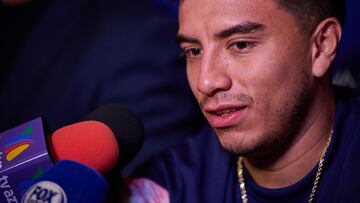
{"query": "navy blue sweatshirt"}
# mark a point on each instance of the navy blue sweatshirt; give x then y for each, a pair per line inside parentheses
(201, 171)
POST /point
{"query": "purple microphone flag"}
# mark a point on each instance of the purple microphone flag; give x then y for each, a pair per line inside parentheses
(23, 158)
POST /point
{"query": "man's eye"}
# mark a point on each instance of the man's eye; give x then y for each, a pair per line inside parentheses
(242, 46)
(192, 52)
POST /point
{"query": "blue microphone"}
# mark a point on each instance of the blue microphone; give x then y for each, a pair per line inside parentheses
(68, 182)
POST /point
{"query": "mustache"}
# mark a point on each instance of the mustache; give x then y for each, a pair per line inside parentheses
(226, 97)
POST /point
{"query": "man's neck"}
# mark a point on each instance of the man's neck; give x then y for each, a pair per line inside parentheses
(304, 153)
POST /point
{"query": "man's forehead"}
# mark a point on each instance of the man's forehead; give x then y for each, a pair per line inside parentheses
(236, 8)
(241, 3)
(217, 15)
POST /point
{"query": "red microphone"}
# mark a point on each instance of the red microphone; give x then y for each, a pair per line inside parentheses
(91, 143)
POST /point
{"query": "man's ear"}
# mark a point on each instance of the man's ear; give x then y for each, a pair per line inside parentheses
(325, 41)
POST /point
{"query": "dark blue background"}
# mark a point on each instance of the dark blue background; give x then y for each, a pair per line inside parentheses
(63, 59)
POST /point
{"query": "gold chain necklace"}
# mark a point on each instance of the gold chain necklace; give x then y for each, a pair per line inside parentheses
(315, 184)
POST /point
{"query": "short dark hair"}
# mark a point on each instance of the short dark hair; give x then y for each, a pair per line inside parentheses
(309, 13)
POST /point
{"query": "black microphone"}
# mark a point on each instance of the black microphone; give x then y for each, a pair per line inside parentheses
(124, 122)
(127, 128)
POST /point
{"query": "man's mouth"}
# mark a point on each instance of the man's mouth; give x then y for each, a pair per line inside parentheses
(225, 115)
(224, 112)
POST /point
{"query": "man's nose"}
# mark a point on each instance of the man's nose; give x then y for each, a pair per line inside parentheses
(213, 75)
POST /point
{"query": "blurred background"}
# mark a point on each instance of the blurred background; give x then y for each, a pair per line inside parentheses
(346, 65)
(63, 59)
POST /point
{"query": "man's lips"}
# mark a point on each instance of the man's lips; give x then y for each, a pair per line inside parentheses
(222, 116)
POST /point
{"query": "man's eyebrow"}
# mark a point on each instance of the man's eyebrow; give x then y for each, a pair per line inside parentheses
(244, 28)
(180, 38)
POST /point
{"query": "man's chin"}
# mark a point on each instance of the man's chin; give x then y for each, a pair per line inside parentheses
(248, 144)
(236, 148)
(235, 143)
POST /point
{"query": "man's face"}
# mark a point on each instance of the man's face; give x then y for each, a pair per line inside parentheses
(249, 67)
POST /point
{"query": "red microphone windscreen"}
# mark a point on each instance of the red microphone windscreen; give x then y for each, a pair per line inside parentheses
(89, 142)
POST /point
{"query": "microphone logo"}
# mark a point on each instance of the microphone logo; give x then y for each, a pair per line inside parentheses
(45, 192)
(16, 145)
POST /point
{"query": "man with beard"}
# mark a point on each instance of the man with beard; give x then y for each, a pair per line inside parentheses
(280, 132)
